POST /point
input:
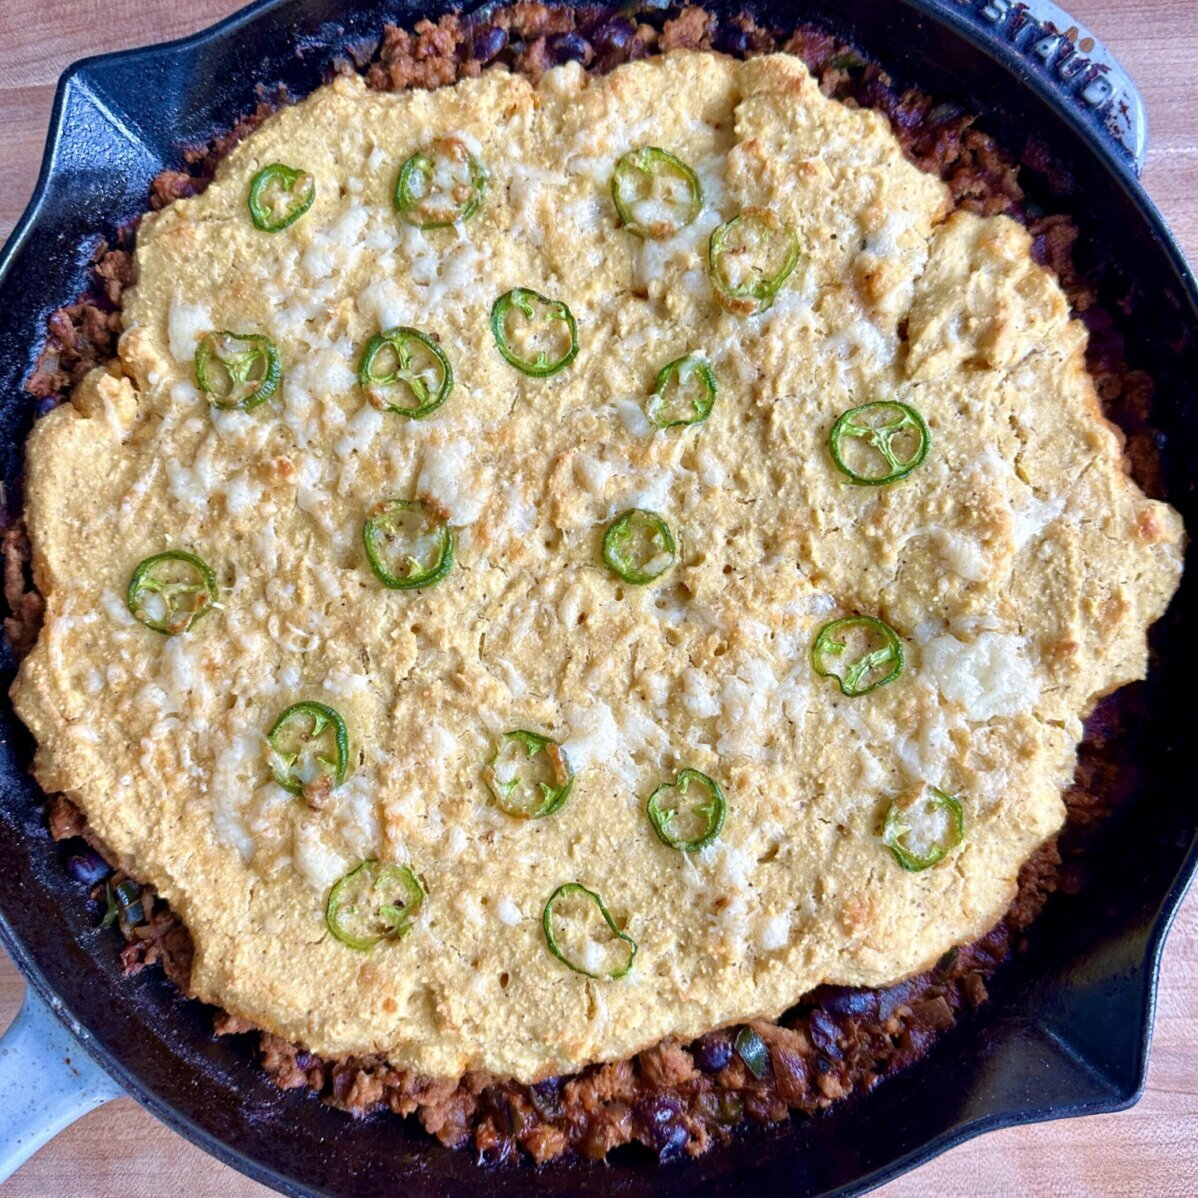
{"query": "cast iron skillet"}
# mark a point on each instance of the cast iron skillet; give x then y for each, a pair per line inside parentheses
(1067, 1030)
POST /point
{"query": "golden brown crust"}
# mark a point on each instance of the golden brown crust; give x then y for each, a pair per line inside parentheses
(1002, 561)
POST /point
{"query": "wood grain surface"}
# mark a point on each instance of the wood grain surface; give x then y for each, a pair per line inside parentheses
(1150, 1150)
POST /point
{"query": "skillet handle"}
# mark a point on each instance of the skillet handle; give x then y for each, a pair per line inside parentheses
(1065, 62)
(47, 1081)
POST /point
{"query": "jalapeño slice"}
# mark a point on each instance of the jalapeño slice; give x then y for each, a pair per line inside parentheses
(639, 547)
(405, 371)
(408, 545)
(529, 776)
(749, 259)
(536, 335)
(170, 591)
(683, 394)
(920, 833)
(688, 821)
(879, 443)
(862, 653)
(655, 193)
(237, 370)
(569, 923)
(440, 185)
(374, 902)
(307, 750)
(279, 196)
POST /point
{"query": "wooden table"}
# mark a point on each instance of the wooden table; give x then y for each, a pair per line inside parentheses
(1151, 1150)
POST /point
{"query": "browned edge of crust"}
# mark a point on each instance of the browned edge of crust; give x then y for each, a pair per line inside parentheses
(674, 1099)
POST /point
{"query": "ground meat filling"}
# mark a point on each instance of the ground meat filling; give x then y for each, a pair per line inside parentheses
(83, 334)
(675, 1099)
(25, 605)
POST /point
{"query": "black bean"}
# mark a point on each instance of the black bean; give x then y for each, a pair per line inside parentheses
(659, 1115)
(613, 35)
(488, 41)
(943, 113)
(844, 1000)
(546, 1098)
(672, 1141)
(713, 1051)
(656, 1110)
(825, 1035)
(88, 867)
(508, 1116)
(568, 47)
(946, 963)
(47, 404)
(731, 39)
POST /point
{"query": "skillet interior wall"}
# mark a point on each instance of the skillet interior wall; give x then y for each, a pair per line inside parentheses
(1093, 996)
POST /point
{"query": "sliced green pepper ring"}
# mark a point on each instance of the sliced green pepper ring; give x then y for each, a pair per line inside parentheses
(749, 259)
(529, 775)
(573, 903)
(639, 547)
(279, 196)
(307, 750)
(403, 362)
(170, 591)
(237, 370)
(655, 193)
(879, 443)
(683, 394)
(695, 825)
(440, 185)
(920, 833)
(374, 902)
(545, 328)
(408, 544)
(862, 653)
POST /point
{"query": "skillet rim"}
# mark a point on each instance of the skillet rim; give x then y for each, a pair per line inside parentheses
(1108, 1094)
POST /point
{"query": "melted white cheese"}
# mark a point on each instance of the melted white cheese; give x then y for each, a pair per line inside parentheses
(990, 676)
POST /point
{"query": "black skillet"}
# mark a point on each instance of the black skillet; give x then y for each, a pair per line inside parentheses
(1068, 1027)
